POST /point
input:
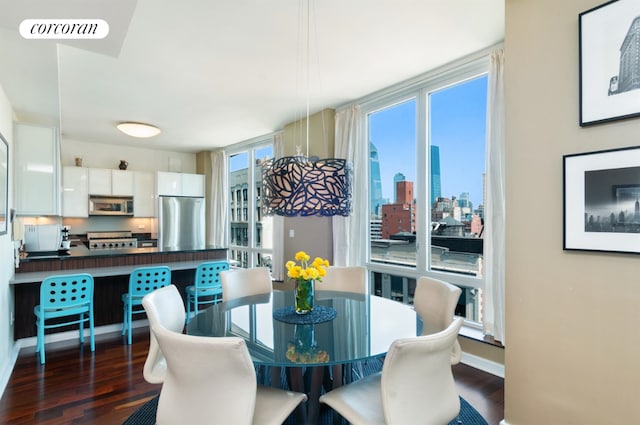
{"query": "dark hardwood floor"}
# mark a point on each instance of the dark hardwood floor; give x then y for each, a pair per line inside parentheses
(76, 386)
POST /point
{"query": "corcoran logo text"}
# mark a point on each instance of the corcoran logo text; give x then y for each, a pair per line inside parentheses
(64, 28)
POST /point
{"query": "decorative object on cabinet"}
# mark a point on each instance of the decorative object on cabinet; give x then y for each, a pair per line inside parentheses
(602, 201)
(138, 129)
(78, 161)
(123, 164)
(4, 185)
(609, 70)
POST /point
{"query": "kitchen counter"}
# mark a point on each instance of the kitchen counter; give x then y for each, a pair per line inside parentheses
(81, 251)
(110, 269)
(80, 258)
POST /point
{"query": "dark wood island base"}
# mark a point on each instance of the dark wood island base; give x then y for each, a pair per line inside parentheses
(111, 278)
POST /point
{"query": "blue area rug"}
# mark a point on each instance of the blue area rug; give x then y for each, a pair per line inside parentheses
(146, 415)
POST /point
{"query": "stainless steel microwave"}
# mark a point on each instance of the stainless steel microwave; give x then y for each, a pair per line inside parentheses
(110, 205)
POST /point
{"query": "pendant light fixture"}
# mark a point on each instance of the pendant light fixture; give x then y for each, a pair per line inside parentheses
(300, 186)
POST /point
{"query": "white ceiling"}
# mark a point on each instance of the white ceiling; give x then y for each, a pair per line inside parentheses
(211, 73)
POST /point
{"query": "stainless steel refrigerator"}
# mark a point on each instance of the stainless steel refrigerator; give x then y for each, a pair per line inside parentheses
(181, 223)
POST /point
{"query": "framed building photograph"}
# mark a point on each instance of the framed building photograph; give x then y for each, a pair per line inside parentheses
(602, 201)
(609, 37)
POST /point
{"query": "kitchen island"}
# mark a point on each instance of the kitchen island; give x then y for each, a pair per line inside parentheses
(110, 269)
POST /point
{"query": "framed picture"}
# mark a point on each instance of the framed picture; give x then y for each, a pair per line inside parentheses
(602, 201)
(609, 62)
(4, 185)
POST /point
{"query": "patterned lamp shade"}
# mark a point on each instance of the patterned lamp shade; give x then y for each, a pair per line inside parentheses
(297, 186)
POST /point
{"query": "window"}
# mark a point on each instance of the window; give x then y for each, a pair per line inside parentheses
(251, 233)
(426, 185)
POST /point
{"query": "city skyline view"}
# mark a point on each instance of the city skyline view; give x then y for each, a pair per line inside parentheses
(457, 127)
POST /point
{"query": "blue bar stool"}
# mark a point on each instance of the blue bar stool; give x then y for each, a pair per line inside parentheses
(207, 288)
(63, 296)
(142, 281)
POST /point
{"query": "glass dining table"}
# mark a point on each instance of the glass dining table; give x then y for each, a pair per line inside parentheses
(360, 327)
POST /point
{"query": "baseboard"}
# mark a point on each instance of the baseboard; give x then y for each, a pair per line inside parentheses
(73, 334)
(8, 370)
(483, 364)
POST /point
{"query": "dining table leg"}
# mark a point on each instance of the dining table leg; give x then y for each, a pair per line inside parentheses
(295, 379)
(317, 375)
(313, 390)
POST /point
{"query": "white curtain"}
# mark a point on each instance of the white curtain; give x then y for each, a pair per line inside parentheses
(278, 223)
(494, 232)
(219, 200)
(349, 233)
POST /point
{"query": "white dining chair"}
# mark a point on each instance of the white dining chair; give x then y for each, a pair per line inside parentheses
(238, 283)
(345, 279)
(212, 380)
(416, 385)
(164, 307)
(352, 279)
(435, 301)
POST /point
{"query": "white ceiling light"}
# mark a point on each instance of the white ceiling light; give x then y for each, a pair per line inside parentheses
(138, 129)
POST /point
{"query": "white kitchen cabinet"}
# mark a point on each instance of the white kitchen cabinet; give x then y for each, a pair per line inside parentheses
(179, 184)
(37, 174)
(75, 192)
(122, 183)
(99, 181)
(110, 182)
(169, 184)
(192, 184)
(144, 199)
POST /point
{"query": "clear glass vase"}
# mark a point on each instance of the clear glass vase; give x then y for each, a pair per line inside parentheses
(304, 296)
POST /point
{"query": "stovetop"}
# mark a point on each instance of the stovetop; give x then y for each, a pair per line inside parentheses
(111, 240)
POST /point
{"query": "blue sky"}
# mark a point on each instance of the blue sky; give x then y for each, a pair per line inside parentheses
(457, 126)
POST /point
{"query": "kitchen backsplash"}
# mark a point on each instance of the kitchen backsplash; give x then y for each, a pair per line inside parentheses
(80, 226)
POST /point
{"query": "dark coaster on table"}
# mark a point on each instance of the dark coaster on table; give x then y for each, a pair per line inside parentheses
(319, 314)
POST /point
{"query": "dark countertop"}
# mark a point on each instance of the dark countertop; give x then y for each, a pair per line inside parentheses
(81, 251)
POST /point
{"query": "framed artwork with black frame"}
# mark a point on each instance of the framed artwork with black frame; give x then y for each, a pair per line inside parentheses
(4, 185)
(602, 201)
(609, 62)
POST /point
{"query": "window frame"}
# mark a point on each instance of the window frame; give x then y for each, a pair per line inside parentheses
(419, 89)
(249, 205)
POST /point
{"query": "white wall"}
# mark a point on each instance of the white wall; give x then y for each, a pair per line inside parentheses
(572, 317)
(97, 155)
(7, 346)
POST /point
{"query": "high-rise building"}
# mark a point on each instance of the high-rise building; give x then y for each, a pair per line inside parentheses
(399, 177)
(375, 182)
(629, 78)
(400, 217)
(436, 188)
(463, 200)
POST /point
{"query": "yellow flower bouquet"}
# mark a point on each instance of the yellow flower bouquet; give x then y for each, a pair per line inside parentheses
(304, 274)
(306, 355)
(304, 349)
